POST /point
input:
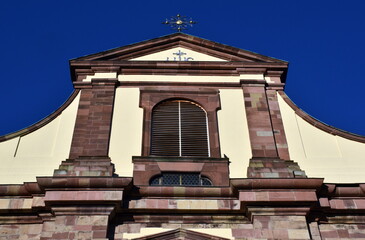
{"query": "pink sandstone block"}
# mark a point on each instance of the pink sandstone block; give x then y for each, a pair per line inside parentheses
(243, 233)
(82, 228)
(63, 235)
(329, 234)
(305, 196)
(337, 204)
(83, 196)
(266, 234)
(99, 234)
(357, 235)
(70, 220)
(360, 203)
(16, 203)
(343, 233)
(99, 228)
(38, 202)
(324, 202)
(262, 196)
(247, 196)
(280, 234)
(162, 204)
(281, 196)
(277, 196)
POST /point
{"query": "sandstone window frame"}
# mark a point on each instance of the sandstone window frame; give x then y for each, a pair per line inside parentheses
(208, 99)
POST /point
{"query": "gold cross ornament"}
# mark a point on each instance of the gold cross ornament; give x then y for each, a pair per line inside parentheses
(179, 23)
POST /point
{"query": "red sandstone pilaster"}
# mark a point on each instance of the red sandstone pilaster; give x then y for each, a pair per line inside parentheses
(258, 120)
(90, 142)
(270, 155)
(93, 122)
(277, 125)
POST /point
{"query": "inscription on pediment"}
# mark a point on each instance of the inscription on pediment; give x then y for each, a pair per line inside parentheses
(177, 54)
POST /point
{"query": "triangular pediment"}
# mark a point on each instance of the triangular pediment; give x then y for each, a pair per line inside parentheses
(189, 48)
(178, 54)
(180, 234)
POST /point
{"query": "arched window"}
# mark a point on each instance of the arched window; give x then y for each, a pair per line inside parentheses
(179, 128)
(180, 179)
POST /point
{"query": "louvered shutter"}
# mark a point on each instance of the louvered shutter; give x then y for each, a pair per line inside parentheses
(194, 137)
(165, 129)
(179, 128)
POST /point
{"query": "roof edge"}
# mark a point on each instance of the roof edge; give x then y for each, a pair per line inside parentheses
(134, 47)
(41, 122)
(319, 124)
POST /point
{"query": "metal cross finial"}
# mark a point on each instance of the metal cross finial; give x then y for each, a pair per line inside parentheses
(179, 22)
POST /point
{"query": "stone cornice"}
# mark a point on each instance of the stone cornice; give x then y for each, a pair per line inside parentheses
(79, 69)
(159, 44)
(48, 183)
(277, 183)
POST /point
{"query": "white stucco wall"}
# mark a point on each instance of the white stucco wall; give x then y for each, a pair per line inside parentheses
(233, 132)
(321, 154)
(40, 152)
(126, 134)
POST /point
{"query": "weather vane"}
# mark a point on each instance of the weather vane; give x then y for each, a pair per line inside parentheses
(179, 22)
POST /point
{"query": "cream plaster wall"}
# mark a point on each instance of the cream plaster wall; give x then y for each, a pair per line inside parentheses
(168, 55)
(180, 78)
(321, 154)
(233, 132)
(40, 152)
(126, 133)
(218, 232)
(254, 76)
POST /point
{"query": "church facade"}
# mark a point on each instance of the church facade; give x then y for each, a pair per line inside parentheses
(180, 137)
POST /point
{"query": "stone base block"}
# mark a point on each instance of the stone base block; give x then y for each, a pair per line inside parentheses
(274, 168)
(86, 166)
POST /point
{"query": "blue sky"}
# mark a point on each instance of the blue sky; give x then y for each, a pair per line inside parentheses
(322, 40)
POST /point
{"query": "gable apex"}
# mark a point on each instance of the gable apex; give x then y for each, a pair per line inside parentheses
(202, 46)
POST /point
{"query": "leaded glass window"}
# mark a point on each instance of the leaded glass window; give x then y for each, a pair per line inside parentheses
(180, 179)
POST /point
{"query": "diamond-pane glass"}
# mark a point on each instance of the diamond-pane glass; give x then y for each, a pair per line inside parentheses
(171, 179)
(180, 179)
(206, 181)
(190, 179)
(156, 181)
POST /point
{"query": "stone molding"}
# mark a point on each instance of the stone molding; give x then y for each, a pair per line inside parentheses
(180, 39)
(207, 98)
